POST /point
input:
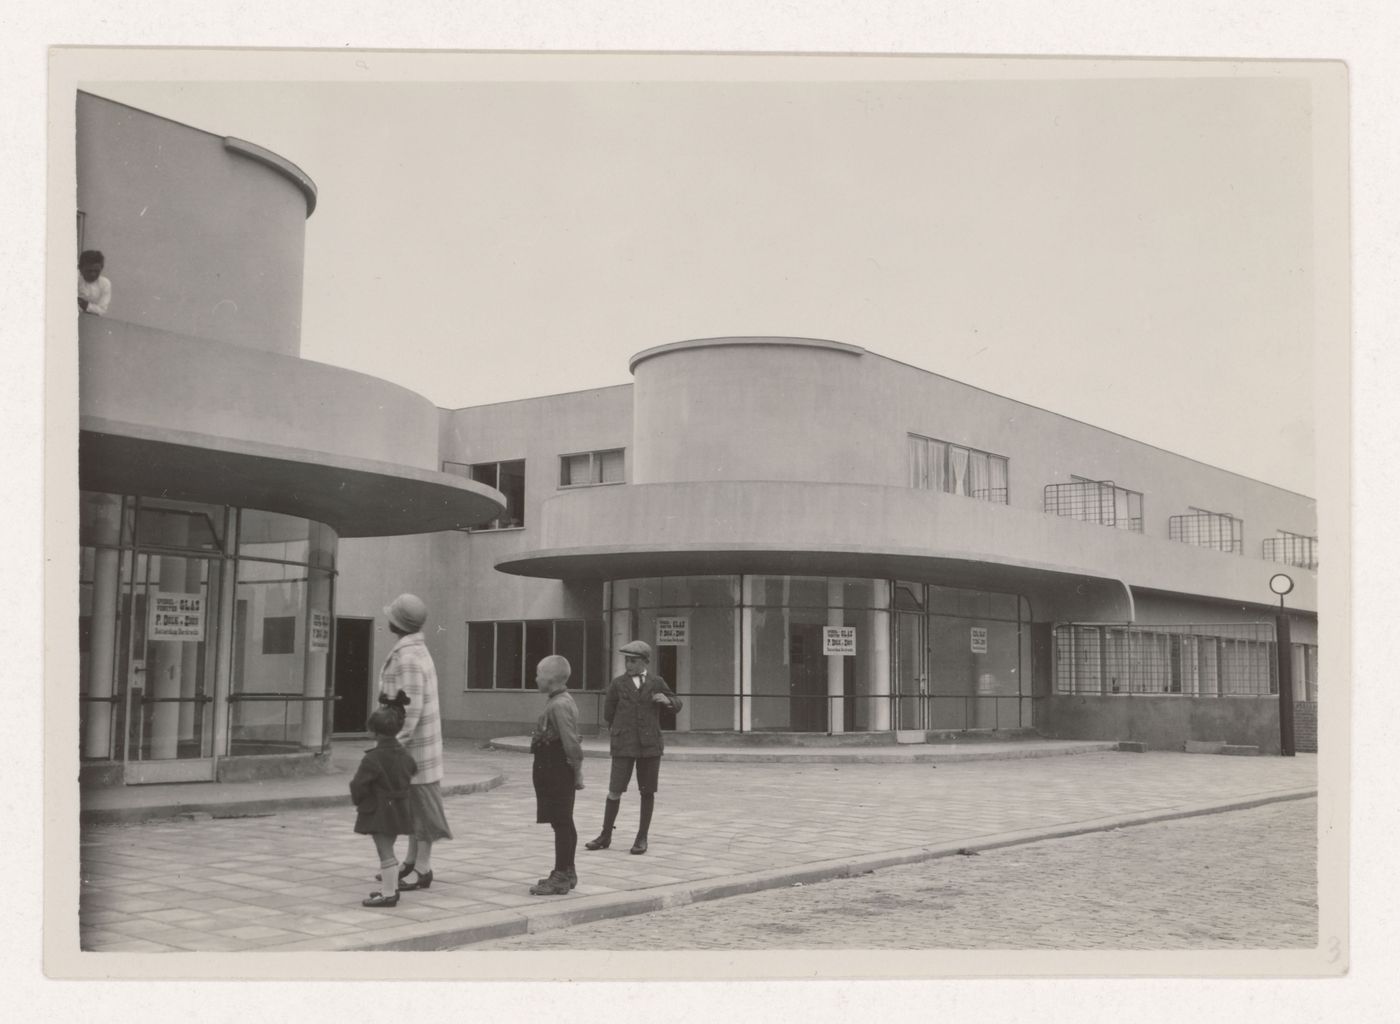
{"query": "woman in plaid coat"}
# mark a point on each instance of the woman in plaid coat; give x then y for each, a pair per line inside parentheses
(409, 667)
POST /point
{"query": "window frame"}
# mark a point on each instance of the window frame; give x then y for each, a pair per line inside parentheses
(594, 465)
(581, 678)
(921, 449)
(469, 470)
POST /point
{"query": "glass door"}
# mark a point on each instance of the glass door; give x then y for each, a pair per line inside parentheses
(911, 671)
(170, 613)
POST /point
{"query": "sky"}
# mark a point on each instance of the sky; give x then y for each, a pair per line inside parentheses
(1133, 252)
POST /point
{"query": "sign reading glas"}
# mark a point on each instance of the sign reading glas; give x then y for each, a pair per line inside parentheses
(177, 617)
(672, 632)
(320, 631)
(979, 639)
(839, 640)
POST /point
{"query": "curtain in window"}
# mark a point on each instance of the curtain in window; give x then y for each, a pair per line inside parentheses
(999, 486)
(938, 465)
(918, 462)
(980, 476)
(957, 470)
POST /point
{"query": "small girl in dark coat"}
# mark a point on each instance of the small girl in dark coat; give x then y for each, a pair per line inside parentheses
(380, 792)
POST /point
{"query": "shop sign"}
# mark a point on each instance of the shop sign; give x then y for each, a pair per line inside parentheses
(979, 639)
(672, 632)
(320, 632)
(178, 617)
(840, 640)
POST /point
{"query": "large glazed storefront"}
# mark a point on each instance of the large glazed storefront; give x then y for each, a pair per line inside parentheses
(819, 654)
(205, 635)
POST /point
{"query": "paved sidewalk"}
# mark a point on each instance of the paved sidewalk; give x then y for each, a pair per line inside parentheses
(293, 880)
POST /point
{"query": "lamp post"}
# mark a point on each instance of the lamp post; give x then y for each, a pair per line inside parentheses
(1281, 583)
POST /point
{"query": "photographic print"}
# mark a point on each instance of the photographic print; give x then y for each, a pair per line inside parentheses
(814, 516)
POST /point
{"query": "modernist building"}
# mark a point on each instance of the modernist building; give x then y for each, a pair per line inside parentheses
(815, 538)
(819, 539)
(218, 471)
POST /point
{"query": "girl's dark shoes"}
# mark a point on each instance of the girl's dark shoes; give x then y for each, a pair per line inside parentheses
(378, 899)
(421, 880)
(403, 870)
(571, 875)
(557, 884)
(603, 841)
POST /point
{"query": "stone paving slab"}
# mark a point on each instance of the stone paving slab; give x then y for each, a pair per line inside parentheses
(293, 880)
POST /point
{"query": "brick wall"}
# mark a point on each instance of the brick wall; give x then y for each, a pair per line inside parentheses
(1305, 726)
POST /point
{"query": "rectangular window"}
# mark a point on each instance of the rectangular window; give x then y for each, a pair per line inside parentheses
(1218, 530)
(503, 655)
(1211, 660)
(508, 478)
(589, 469)
(1292, 549)
(954, 469)
(1095, 501)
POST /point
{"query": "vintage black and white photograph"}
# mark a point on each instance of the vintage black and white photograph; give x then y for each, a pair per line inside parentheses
(597, 505)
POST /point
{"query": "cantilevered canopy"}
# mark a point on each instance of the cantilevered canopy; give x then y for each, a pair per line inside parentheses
(356, 497)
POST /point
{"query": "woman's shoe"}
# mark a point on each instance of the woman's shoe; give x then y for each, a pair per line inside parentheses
(603, 841)
(640, 845)
(422, 880)
(378, 899)
(403, 870)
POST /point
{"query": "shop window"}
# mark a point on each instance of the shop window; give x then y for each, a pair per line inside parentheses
(589, 469)
(503, 655)
(936, 465)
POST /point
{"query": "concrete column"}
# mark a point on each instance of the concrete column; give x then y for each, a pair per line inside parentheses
(190, 653)
(223, 660)
(744, 713)
(880, 658)
(321, 545)
(835, 663)
(164, 669)
(106, 583)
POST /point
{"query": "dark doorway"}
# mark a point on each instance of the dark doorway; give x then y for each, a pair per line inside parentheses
(353, 645)
(807, 679)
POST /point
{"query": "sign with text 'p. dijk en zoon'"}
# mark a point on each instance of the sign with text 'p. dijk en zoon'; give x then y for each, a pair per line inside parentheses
(177, 617)
(672, 632)
(839, 640)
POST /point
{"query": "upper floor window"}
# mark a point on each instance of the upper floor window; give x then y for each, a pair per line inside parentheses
(1292, 549)
(508, 478)
(586, 469)
(942, 466)
(1096, 501)
(1218, 530)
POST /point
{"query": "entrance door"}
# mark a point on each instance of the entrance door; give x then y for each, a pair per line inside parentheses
(807, 679)
(354, 698)
(169, 622)
(911, 671)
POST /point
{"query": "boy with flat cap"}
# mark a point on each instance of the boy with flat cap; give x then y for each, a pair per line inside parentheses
(632, 711)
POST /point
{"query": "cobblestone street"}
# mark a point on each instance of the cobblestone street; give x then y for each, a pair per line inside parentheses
(1237, 880)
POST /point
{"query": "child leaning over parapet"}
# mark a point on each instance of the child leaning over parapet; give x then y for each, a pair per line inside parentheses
(94, 290)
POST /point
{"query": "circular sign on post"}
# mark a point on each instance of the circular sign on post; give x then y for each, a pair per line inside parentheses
(1280, 583)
